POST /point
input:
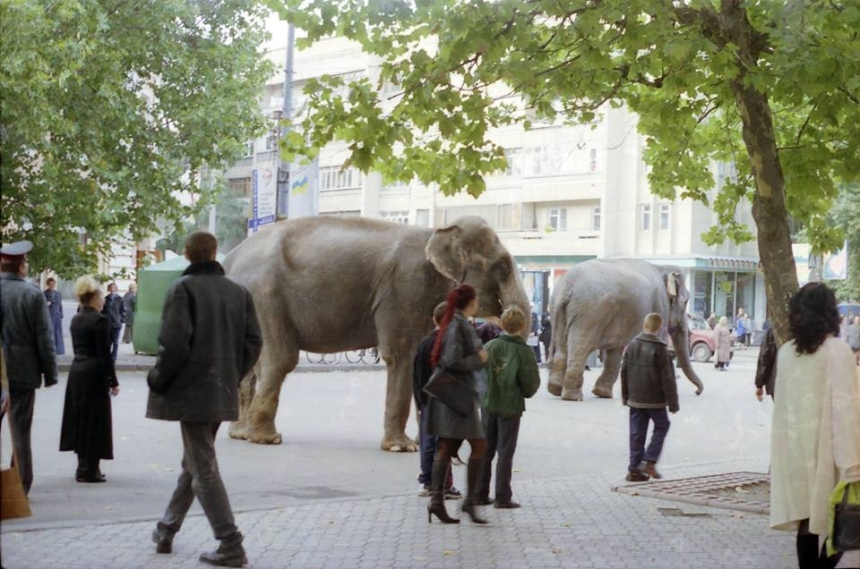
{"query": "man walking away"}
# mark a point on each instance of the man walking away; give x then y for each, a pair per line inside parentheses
(648, 387)
(129, 306)
(210, 339)
(28, 346)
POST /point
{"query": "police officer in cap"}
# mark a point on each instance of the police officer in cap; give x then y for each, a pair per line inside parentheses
(28, 348)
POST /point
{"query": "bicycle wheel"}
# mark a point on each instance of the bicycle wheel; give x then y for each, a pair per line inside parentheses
(314, 358)
(331, 359)
(353, 356)
(371, 357)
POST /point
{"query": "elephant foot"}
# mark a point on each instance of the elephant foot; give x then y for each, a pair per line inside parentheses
(238, 430)
(398, 443)
(264, 436)
(554, 388)
(602, 393)
(571, 394)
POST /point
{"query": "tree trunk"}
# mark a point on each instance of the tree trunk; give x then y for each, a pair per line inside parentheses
(771, 217)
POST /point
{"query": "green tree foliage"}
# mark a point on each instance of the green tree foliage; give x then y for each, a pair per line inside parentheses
(846, 217)
(773, 86)
(109, 110)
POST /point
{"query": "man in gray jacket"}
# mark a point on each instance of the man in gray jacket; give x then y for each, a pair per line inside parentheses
(28, 346)
(210, 339)
(648, 386)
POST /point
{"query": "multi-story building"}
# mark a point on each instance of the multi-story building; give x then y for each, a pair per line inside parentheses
(569, 194)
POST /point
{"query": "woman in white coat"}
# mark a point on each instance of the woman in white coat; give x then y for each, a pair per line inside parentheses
(816, 423)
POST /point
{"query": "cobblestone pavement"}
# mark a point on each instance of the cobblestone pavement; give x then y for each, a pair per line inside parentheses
(576, 522)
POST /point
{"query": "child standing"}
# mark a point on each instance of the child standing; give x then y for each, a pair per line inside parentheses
(647, 387)
(512, 376)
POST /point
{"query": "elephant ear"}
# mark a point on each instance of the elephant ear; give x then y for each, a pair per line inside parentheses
(445, 251)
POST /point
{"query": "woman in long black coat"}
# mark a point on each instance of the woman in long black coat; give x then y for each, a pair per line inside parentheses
(87, 428)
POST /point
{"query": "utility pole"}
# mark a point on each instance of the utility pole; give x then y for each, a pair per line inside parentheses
(286, 122)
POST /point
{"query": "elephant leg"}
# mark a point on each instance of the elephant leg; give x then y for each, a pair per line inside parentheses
(557, 369)
(398, 400)
(611, 367)
(247, 389)
(274, 366)
(577, 352)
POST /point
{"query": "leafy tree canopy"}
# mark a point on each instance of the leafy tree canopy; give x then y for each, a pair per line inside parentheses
(110, 108)
(846, 216)
(771, 85)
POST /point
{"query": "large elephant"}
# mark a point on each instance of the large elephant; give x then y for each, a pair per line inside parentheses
(600, 305)
(328, 284)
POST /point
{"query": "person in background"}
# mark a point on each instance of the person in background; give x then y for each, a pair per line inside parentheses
(129, 306)
(648, 386)
(421, 372)
(458, 351)
(740, 328)
(512, 377)
(55, 310)
(723, 343)
(815, 435)
(712, 320)
(853, 337)
(489, 329)
(115, 312)
(87, 426)
(546, 336)
(210, 339)
(28, 346)
(765, 373)
(533, 340)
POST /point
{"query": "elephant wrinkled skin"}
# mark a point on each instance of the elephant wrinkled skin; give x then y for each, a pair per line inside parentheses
(600, 305)
(327, 284)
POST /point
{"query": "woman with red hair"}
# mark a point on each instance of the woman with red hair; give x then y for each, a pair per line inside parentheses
(459, 352)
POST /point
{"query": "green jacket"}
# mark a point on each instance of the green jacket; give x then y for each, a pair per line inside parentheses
(512, 376)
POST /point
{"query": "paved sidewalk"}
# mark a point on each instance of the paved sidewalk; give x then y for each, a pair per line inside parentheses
(575, 522)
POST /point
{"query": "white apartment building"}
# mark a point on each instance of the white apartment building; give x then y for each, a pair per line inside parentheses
(569, 194)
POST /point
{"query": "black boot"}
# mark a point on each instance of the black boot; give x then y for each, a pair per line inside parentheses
(88, 471)
(229, 554)
(473, 474)
(437, 494)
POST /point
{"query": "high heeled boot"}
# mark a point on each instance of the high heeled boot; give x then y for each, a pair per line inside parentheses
(473, 474)
(437, 494)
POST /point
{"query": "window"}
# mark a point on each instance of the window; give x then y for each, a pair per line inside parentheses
(664, 215)
(249, 148)
(506, 216)
(595, 219)
(592, 162)
(422, 217)
(514, 157)
(240, 187)
(336, 178)
(558, 219)
(646, 217)
(271, 142)
(395, 216)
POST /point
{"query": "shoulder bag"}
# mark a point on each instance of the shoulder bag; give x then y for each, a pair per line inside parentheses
(13, 501)
(449, 390)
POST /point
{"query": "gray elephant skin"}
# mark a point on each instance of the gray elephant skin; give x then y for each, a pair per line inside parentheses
(327, 284)
(600, 305)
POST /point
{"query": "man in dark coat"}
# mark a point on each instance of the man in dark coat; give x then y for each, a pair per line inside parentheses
(210, 339)
(647, 388)
(129, 306)
(115, 311)
(765, 372)
(55, 309)
(28, 346)
(546, 335)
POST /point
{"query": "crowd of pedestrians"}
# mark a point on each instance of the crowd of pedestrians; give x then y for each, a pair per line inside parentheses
(195, 381)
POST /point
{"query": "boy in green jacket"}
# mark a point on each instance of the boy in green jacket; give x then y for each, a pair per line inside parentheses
(512, 376)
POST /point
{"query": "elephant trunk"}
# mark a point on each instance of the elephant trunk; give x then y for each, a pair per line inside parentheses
(681, 341)
(512, 293)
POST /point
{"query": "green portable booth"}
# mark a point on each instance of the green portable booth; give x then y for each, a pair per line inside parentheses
(152, 285)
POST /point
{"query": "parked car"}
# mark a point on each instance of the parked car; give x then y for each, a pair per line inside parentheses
(702, 344)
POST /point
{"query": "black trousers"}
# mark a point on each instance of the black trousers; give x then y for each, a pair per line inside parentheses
(502, 434)
(809, 556)
(200, 477)
(21, 405)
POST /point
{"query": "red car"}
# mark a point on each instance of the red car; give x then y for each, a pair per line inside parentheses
(702, 343)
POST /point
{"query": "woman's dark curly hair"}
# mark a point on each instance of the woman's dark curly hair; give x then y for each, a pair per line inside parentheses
(812, 316)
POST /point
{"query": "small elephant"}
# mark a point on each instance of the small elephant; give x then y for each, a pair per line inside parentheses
(600, 305)
(328, 284)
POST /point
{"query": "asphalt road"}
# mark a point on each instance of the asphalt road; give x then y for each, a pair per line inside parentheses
(332, 425)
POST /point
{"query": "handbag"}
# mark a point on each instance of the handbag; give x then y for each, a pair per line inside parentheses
(846, 523)
(451, 391)
(13, 500)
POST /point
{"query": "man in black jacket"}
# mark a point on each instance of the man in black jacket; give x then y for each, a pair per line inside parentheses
(115, 312)
(648, 387)
(210, 339)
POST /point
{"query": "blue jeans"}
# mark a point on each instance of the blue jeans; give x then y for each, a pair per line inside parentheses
(427, 447)
(639, 419)
(114, 341)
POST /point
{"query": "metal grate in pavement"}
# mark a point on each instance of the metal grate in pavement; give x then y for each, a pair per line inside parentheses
(744, 491)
